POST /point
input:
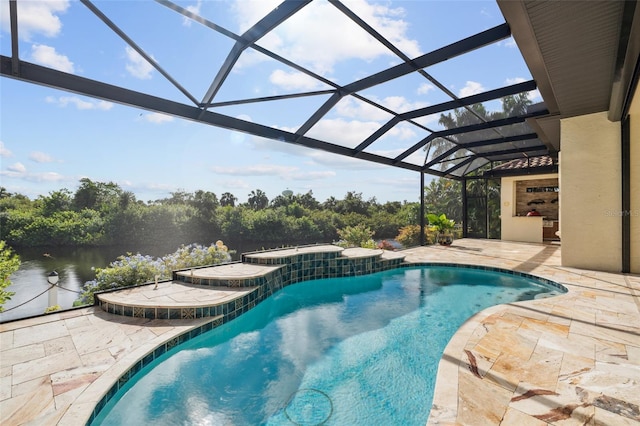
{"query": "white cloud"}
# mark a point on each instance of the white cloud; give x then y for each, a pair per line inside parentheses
(342, 162)
(401, 104)
(17, 173)
(4, 152)
(272, 170)
(313, 175)
(35, 17)
(306, 33)
(425, 88)
(294, 80)
(158, 118)
(343, 132)
(195, 9)
(81, 104)
(17, 167)
(256, 170)
(402, 131)
(315, 157)
(509, 42)
(471, 88)
(40, 157)
(47, 55)
(137, 65)
(515, 80)
(353, 108)
(235, 184)
(485, 13)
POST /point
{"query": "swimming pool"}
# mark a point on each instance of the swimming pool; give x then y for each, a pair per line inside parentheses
(359, 351)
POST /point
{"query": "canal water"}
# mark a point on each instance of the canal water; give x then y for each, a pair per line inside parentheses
(75, 266)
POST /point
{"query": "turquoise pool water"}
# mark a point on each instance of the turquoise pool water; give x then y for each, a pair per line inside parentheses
(347, 351)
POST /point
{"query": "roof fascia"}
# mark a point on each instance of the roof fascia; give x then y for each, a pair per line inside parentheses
(627, 62)
(515, 13)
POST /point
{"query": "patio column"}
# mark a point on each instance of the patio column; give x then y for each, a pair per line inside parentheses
(591, 190)
(634, 184)
(422, 224)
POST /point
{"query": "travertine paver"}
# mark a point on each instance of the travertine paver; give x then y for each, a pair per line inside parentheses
(571, 359)
(55, 368)
(174, 294)
(271, 254)
(230, 271)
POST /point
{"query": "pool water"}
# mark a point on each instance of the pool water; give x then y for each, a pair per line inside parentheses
(346, 351)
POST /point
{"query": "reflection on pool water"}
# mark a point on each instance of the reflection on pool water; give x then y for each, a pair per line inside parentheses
(345, 351)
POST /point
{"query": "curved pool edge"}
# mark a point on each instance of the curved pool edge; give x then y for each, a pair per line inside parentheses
(97, 395)
(524, 362)
(81, 410)
(456, 356)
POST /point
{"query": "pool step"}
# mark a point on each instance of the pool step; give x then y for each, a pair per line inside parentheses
(232, 289)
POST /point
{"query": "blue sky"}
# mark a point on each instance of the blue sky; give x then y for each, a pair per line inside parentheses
(50, 139)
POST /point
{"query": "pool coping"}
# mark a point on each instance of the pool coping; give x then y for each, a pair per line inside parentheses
(589, 338)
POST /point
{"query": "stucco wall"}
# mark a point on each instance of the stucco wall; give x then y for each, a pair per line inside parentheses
(590, 193)
(635, 183)
(513, 227)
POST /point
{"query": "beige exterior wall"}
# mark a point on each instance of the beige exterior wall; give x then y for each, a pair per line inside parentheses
(590, 192)
(635, 183)
(514, 226)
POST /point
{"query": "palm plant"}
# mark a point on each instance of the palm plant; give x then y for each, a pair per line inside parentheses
(443, 226)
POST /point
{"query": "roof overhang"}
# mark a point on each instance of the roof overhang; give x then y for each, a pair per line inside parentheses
(584, 56)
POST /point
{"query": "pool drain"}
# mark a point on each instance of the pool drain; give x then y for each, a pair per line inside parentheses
(308, 407)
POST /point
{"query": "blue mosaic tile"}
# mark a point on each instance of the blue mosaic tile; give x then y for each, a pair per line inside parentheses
(159, 351)
(148, 359)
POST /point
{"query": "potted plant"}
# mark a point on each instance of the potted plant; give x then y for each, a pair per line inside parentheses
(443, 227)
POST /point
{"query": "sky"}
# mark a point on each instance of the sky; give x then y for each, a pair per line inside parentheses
(50, 139)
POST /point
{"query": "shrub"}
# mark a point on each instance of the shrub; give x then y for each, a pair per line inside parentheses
(138, 269)
(50, 309)
(409, 236)
(9, 263)
(356, 236)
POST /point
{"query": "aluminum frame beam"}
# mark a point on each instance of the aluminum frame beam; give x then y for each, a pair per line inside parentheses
(69, 82)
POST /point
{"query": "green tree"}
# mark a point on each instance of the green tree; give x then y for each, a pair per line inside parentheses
(307, 200)
(474, 114)
(205, 202)
(330, 203)
(258, 200)
(228, 199)
(56, 201)
(179, 197)
(444, 196)
(352, 203)
(9, 263)
(96, 195)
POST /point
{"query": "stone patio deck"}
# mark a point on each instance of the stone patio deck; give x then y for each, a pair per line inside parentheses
(571, 359)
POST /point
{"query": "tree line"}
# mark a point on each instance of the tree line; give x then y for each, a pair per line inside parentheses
(103, 214)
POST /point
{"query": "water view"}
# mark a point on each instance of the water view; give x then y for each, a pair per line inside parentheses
(75, 267)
